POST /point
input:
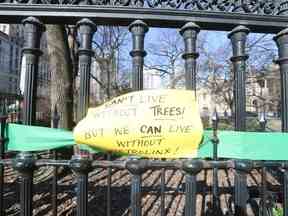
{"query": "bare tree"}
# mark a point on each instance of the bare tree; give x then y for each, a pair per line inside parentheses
(214, 68)
(165, 57)
(107, 44)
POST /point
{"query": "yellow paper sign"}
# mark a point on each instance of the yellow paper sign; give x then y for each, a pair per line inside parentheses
(150, 123)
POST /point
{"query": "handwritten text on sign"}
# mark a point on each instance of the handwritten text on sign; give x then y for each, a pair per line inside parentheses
(150, 123)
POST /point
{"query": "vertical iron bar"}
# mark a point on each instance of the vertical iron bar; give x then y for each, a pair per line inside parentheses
(109, 181)
(25, 165)
(264, 210)
(189, 32)
(3, 119)
(215, 142)
(55, 123)
(281, 40)
(241, 192)
(264, 191)
(191, 168)
(136, 195)
(162, 206)
(33, 29)
(190, 198)
(136, 169)
(285, 204)
(138, 29)
(81, 166)
(238, 38)
(86, 28)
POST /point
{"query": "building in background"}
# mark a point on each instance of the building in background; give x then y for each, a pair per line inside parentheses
(11, 43)
(262, 94)
(152, 79)
(13, 71)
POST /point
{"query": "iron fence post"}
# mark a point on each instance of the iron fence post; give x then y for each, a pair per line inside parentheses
(3, 119)
(191, 168)
(136, 168)
(138, 29)
(25, 165)
(285, 201)
(262, 122)
(109, 182)
(238, 38)
(281, 40)
(215, 141)
(55, 123)
(81, 166)
(264, 191)
(189, 32)
(241, 194)
(86, 28)
(33, 29)
(162, 198)
(24, 162)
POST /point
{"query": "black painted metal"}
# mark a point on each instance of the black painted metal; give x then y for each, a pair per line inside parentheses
(189, 32)
(25, 165)
(136, 168)
(247, 7)
(238, 38)
(55, 123)
(264, 210)
(241, 195)
(191, 168)
(81, 166)
(109, 188)
(86, 29)
(3, 119)
(282, 43)
(162, 197)
(215, 140)
(136, 195)
(211, 17)
(285, 183)
(33, 29)
(138, 29)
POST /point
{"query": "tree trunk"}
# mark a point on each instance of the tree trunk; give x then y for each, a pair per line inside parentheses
(61, 74)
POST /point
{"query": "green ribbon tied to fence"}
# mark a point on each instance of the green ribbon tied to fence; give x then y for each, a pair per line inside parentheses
(232, 144)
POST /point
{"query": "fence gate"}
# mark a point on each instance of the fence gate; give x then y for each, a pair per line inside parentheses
(239, 17)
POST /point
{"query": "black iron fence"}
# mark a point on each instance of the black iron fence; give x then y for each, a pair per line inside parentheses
(26, 164)
(239, 17)
(11, 104)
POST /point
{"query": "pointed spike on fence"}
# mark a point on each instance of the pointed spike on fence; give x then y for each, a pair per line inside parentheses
(55, 112)
(4, 108)
(215, 116)
(55, 117)
(262, 117)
